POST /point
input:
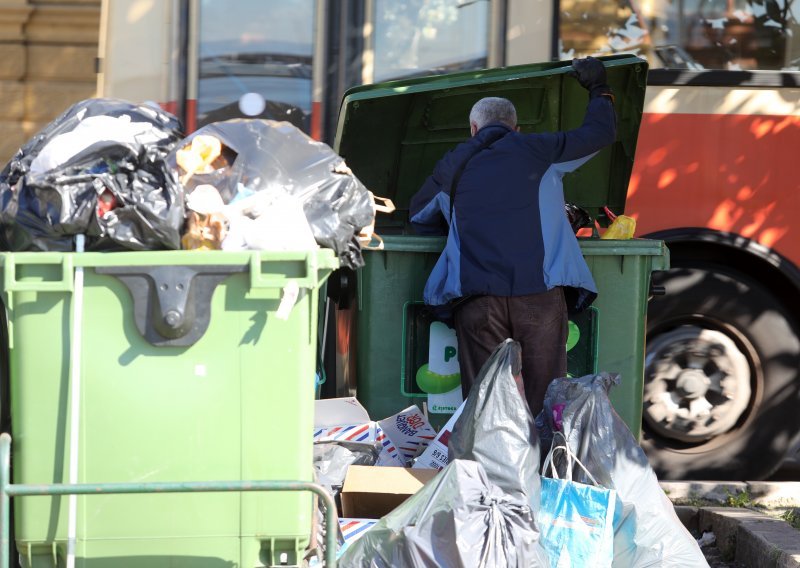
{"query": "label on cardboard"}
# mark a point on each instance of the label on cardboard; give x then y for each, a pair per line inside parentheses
(436, 455)
(353, 529)
(389, 455)
(364, 433)
(409, 432)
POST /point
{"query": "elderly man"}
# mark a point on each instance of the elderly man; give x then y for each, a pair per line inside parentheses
(512, 266)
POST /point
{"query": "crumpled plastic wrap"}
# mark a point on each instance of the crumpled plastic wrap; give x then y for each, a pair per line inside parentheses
(98, 170)
(496, 427)
(331, 460)
(264, 155)
(647, 532)
(458, 519)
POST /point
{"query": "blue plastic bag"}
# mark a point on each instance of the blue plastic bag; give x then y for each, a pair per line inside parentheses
(576, 520)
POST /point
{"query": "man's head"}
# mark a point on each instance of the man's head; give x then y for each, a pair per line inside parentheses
(489, 110)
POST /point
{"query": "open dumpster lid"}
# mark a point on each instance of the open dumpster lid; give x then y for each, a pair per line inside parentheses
(392, 134)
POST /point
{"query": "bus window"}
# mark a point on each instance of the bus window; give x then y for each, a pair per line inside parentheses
(255, 59)
(424, 37)
(689, 34)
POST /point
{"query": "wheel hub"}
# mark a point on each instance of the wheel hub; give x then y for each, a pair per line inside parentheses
(692, 384)
(697, 384)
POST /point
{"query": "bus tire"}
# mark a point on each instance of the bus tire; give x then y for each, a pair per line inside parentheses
(722, 391)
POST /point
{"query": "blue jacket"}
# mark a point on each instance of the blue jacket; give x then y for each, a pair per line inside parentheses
(510, 236)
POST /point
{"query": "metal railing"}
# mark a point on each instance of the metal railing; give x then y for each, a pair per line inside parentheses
(9, 490)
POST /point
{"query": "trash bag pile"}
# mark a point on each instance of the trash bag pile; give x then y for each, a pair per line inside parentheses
(122, 175)
(571, 488)
(647, 532)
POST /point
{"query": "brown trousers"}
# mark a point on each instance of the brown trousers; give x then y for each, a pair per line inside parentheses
(538, 322)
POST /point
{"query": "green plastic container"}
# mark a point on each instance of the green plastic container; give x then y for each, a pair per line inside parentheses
(187, 373)
(423, 118)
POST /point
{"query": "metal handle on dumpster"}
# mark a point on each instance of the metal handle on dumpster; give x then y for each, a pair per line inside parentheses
(657, 290)
(9, 490)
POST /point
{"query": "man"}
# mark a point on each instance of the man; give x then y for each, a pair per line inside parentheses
(512, 263)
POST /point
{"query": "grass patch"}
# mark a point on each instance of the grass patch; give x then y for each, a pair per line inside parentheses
(792, 516)
(741, 500)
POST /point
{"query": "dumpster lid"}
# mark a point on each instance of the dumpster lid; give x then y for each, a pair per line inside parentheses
(392, 134)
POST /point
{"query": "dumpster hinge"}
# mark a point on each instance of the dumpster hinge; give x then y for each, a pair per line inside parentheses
(172, 304)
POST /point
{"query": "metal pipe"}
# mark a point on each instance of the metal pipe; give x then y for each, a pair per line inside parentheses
(8, 490)
(5, 500)
(75, 400)
(498, 26)
(319, 69)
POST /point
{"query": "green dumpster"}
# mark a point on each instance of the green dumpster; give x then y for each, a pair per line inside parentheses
(420, 120)
(193, 366)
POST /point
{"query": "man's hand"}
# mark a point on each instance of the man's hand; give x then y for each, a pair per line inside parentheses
(591, 74)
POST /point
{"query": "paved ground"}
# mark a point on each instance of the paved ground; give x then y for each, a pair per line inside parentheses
(750, 531)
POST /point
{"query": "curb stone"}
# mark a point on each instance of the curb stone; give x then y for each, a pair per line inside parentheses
(752, 539)
(764, 493)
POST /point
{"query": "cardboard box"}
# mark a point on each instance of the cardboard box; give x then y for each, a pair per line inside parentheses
(409, 432)
(373, 492)
(436, 455)
(344, 419)
(354, 529)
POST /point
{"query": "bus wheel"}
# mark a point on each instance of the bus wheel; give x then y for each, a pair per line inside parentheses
(722, 391)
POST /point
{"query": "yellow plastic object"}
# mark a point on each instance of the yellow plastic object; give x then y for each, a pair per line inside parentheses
(621, 228)
(198, 156)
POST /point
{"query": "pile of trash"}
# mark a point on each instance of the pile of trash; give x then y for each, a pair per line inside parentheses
(123, 176)
(494, 487)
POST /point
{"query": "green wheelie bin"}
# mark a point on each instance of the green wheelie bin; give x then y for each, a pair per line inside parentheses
(404, 357)
(194, 366)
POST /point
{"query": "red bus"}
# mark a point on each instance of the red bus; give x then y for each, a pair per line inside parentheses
(714, 171)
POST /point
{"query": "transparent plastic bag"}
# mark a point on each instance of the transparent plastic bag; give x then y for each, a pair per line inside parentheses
(276, 157)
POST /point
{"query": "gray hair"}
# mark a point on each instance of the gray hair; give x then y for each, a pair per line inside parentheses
(493, 109)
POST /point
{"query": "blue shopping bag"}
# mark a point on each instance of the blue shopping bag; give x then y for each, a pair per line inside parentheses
(576, 521)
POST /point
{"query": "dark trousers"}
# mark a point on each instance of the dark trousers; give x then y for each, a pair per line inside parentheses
(538, 322)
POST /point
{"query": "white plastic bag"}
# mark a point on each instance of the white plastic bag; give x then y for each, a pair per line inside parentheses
(647, 532)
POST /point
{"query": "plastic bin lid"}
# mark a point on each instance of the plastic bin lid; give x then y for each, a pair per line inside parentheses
(392, 134)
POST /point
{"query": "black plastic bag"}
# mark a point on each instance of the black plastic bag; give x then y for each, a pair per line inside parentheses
(578, 217)
(264, 155)
(98, 170)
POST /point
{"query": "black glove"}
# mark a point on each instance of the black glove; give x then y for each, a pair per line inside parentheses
(591, 74)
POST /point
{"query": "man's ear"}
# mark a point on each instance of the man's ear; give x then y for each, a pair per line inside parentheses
(473, 129)
(516, 128)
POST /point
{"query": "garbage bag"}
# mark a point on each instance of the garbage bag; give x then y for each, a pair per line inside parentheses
(578, 216)
(98, 170)
(264, 155)
(647, 532)
(458, 519)
(496, 428)
(331, 460)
